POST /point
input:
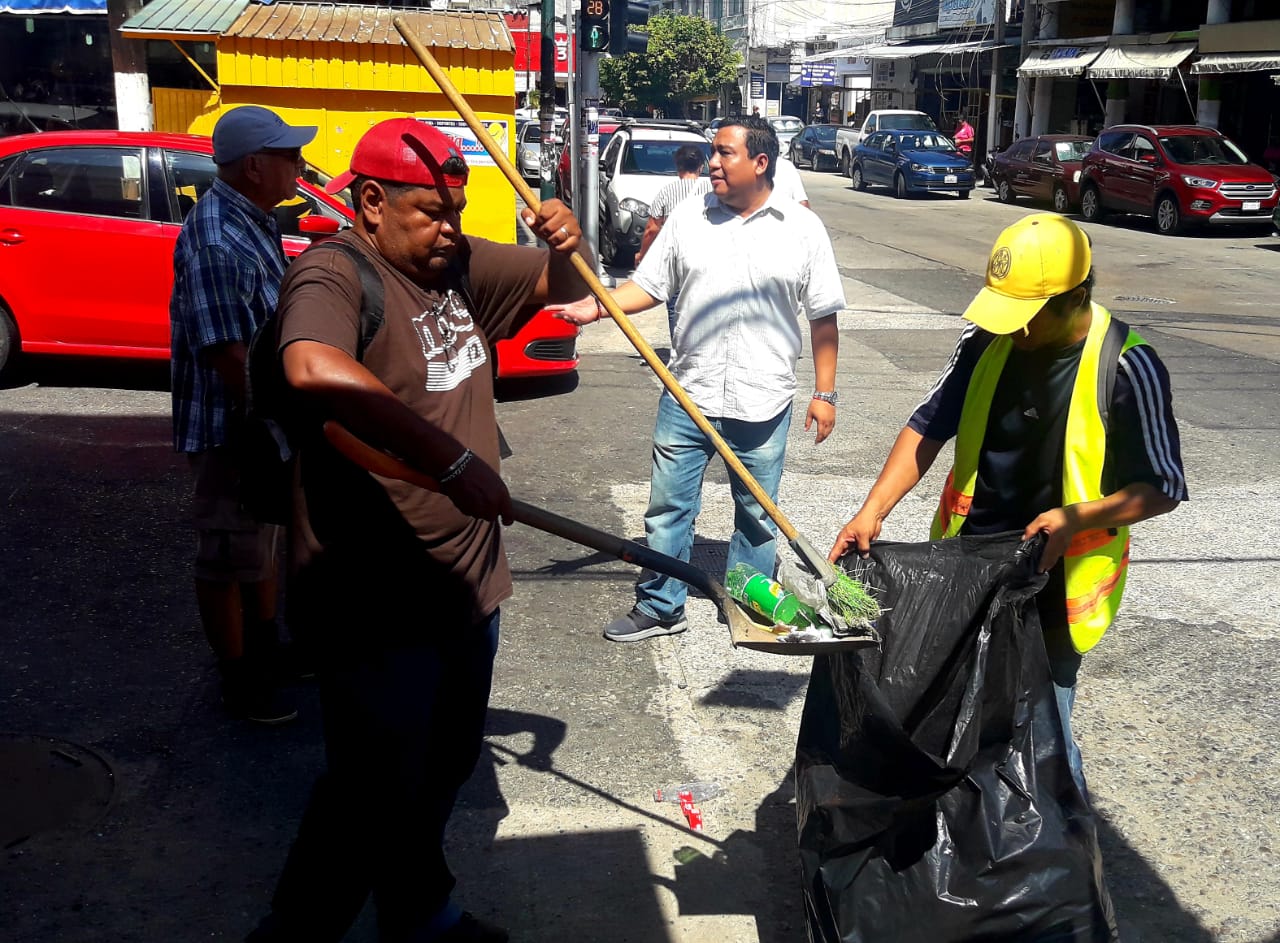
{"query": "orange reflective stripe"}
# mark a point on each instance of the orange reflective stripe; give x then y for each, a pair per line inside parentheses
(1089, 540)
(1083, 605)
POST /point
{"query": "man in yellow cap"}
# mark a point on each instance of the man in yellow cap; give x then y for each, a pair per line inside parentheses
(1064, 426)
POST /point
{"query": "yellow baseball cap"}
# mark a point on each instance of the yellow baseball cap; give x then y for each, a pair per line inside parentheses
(1039, 256)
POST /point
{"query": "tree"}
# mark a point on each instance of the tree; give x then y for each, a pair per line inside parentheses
(687, 58)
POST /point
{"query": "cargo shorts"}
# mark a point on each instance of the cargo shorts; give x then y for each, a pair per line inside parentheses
(231, 547)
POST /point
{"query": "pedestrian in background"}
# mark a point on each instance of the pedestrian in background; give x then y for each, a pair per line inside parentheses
(400, 587)
(1038, 449)
(743, 260)
(690, 162)
(227, 267)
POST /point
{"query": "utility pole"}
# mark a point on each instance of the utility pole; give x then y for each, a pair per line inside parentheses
(1022, 104)
(594, 23)
(547, 101)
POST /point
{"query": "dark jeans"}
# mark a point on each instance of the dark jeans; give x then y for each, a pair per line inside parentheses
(403, 729)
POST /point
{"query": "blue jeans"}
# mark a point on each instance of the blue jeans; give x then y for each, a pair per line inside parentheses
(680, 456)
(1066, 702)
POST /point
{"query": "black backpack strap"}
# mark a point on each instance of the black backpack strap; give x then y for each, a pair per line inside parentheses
(372, 291)
(1109, 362)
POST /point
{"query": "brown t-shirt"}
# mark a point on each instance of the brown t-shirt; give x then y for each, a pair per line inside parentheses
(399, 548)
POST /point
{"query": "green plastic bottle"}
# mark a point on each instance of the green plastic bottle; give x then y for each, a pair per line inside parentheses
(766, 596)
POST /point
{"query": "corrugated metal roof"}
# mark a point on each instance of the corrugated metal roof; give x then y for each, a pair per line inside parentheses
(183, 19)
(343, 23)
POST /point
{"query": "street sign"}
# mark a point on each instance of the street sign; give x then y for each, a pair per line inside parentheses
(817, 74)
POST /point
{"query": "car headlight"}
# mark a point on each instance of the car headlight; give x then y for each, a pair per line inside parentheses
(1204, 183)
(634, 206)
(827, 150)
(1075, 177)
(919, 168)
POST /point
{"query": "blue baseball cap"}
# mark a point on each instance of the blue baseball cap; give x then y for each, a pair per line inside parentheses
(248, 129)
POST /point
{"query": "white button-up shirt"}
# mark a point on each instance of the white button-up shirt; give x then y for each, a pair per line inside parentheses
(741, 284)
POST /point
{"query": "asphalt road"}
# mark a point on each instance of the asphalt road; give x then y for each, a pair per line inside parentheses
(558, 835)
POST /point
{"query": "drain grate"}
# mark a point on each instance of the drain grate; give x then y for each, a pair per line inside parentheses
(48, 784)
(1145, 300)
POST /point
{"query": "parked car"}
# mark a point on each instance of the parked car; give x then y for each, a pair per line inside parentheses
(785, 127)
(883, 119)
(1044, 168)
(911, 162)
(564, 182)
(88, 222)
(529, 149)
(638, 162)
(816, 146)
(1180, 175)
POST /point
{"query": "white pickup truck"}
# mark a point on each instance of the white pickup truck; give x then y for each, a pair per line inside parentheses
(885, 119)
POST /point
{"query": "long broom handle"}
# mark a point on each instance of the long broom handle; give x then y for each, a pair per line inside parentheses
(602, 295)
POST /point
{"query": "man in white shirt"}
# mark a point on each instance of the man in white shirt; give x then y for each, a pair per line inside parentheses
(787, 183)
(744, 260)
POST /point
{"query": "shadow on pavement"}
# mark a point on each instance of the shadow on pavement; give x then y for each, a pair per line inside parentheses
(89, 373)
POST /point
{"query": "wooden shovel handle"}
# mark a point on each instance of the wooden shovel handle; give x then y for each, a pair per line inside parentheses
(588, 275)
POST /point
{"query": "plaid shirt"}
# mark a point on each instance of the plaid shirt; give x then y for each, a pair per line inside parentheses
(227, 267)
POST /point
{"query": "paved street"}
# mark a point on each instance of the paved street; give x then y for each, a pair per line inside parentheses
(558, 835)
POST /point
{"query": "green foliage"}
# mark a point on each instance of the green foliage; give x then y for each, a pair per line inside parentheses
(688, 58)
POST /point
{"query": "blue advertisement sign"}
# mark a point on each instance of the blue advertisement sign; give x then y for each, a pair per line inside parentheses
(757, 85)
(817, 74)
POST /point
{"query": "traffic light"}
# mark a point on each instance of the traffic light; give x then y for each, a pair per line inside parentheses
(623, 15)
(594, 26)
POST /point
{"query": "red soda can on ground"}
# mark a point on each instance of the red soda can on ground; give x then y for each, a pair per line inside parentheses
(691, 812)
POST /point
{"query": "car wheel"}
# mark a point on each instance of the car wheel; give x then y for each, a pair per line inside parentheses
(964, 194)
(900, 186)
(1004, 192)
(859, 182)
(846, 165)
(607, 247)
(1091, 204)
(9, 343)
(1060, 202)
(1168, 216)
(794, 155)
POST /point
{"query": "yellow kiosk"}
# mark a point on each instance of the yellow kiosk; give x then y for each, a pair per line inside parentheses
(345, 68)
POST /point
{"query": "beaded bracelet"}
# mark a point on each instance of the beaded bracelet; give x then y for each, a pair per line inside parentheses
(457, 468)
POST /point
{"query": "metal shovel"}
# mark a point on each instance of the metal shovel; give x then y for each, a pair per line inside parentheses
(816, 562)
(744, 632)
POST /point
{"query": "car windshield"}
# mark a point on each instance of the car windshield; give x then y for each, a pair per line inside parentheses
(1071, 150)
(657, 157)
(826, 134)
(906, 123)
(925, 142)
(1201, 149)
(786, 124)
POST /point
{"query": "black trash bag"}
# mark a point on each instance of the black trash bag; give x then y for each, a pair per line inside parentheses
(933, 794)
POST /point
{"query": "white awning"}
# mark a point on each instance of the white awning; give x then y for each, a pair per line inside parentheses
(913, 51)
(1237, 62)
(1050, 61)
(1140, 62)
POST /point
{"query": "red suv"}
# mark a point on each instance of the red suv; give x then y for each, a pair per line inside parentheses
(1181, 175)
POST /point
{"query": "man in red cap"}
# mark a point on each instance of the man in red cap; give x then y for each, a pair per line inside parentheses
(400, 587)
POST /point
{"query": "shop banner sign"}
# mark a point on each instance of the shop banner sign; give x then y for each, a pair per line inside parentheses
(958, 14)
(473, 151)
(817, 74)
(915, 12)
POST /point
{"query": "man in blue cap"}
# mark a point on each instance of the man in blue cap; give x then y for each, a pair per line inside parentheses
(227, 267)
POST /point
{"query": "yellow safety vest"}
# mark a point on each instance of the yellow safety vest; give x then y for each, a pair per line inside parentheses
(1096, 561)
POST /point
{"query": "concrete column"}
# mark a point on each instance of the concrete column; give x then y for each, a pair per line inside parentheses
(129, 63)
(1022, 104)
(1209, 106)
(1044, 87)
(1118, 90)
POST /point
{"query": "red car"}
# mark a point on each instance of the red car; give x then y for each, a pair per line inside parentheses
(1180, 175)
(88, 221)
(1044, 168)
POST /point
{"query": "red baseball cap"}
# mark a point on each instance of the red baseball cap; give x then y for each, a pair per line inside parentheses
(403, 150)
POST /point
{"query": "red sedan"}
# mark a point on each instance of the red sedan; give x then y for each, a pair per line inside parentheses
(1044, 168)
(88, 221)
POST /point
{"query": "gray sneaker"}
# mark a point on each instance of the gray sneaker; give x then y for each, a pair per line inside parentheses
(635, 626)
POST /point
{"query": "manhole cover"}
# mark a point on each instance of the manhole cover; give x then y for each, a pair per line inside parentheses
(47, 784)
(1144, 300)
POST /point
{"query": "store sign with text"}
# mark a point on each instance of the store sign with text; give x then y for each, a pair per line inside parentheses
(959, 14)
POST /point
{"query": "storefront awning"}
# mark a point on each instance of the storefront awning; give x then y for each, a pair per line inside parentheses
(1237, 62)
(183, 19)
(1050, 61)
(914, 51)
(1140, 62)
(28, 7)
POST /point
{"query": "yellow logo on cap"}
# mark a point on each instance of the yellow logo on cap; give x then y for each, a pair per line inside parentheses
(1001, 262)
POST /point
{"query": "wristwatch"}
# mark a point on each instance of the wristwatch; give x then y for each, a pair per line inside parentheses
(826, 397)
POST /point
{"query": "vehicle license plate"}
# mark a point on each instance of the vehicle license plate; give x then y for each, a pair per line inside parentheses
(1251, 206)
(951, 178)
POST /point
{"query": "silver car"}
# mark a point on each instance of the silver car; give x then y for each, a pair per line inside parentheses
(529, 149)
(785, 127)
